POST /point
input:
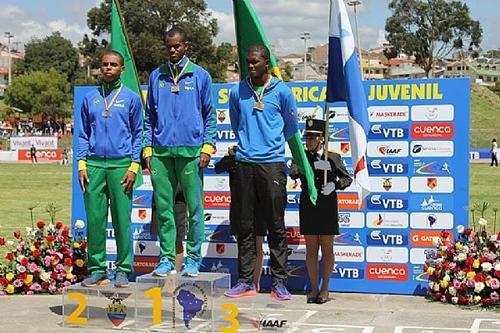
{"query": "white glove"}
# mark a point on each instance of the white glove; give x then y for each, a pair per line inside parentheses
(328, 188)
(322, 165)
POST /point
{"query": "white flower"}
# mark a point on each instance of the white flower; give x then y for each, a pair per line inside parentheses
(447, 278)
(479, 287)
(462, 256)
(497, 266)
(452, 291)
(486, 266)
(493, 238)
(45, 276)
(79, 224)
(51, 228)
(436, 241)
(465, 249)
(460, 229)
(10, 243)
(482, 222)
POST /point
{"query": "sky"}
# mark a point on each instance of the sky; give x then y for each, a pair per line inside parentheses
(283, 20)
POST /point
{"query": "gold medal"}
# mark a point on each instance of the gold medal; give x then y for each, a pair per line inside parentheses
(175, 88)
(258, 106)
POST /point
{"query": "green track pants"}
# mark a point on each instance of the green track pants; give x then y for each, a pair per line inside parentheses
(104, 189)
(166, 173)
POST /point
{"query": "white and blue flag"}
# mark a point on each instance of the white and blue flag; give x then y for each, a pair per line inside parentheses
(344, 84)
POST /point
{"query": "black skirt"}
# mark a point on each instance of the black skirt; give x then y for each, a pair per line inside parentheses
(322, 219)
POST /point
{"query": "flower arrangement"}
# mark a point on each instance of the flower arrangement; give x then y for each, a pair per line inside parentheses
(46, 259)
(465, 271)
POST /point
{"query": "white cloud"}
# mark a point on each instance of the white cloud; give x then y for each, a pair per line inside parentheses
(285, 20)
(26, 27)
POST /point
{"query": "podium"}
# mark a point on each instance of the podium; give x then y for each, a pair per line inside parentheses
(104, 307)
(178, 303)
(174, 303)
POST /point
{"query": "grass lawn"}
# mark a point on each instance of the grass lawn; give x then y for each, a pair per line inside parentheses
(23, 185)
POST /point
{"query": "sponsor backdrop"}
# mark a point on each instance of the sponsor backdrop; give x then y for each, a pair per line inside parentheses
(418, 163)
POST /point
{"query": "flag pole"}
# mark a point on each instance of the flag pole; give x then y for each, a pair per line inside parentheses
(327, 122)
(117, 5)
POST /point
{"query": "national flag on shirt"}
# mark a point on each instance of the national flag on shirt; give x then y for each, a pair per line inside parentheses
(344, 84)
(129, 78)
(249, 32)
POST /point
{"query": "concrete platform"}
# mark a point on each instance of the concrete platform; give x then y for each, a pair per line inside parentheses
(347, 313)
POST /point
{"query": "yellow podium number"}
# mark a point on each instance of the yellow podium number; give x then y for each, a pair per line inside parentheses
(230, 317)
(155, 294)
(74, 317)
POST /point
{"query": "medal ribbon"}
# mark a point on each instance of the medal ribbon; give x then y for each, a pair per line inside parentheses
(178, 76)
(106, 105)
(259, 97)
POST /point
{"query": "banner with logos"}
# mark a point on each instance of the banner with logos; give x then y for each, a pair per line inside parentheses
(41, 155)
(418, 151)
(40, 142)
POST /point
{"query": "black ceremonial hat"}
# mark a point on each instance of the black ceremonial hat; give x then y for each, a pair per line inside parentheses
(314, 128)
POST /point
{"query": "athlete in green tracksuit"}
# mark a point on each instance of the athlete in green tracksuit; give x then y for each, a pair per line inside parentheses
(179, 135)
(109, 146)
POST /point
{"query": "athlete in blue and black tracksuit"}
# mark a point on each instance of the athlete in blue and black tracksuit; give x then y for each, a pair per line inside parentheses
(109, 149)
(179, 139)
(263, 116)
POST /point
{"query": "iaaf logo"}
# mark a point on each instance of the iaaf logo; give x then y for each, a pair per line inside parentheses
(377, 167)
(387, 149)
(432, 130)
(267, 322)
(377, 131)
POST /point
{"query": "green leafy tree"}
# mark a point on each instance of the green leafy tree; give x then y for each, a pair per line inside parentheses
(146, 22)
(38, 92)
(430, 30)
(53, 51)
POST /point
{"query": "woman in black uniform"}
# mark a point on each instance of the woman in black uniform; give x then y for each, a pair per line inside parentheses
(320, 223)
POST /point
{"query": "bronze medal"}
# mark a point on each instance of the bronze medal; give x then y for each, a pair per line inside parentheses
(175, 88)
(258, 106)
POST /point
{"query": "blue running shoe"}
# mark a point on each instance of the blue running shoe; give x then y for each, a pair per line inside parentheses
(121, 280)
(191, 268)
(164, 268)
(95, 279)
(280, 292)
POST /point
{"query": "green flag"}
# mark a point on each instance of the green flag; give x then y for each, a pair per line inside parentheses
(249, 32)
(119, 43)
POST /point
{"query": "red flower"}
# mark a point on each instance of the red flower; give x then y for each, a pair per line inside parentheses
(497, 274)
(83, 245)
(45, 285)
(4, 282)
(2, 241)
(59, 225)
(37, 244)
(469, 261)
(36, 253)
(446, 265)
(17, 234)
(10, 256)
(40, 224)
(22, 276)
(479, 277)
(462, 300)
(68, 262)
(65, 232)
(451, 251)
(483, 259)
(24, 262)
(487, 301)
(444, 234)
(53, 275)
(50, 238)
(468, 231)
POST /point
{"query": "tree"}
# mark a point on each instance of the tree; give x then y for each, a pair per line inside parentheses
(53, 51)
(430, 30)
(146, 22)
(38, 92)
